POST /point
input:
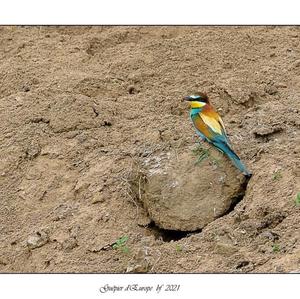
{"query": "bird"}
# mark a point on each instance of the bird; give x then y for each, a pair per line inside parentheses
(210, 128)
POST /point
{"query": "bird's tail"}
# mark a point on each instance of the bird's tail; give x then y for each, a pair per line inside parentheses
(235, 159)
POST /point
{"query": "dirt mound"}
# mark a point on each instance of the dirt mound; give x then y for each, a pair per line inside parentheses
(187, 189)
(80, 105)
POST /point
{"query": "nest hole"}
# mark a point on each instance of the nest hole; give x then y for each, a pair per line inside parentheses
(168, 235)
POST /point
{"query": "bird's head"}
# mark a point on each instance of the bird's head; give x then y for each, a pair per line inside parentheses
(197, 100)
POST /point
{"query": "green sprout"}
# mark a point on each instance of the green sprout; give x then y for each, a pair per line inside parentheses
(277, 175)
(298, 199)
(121, 244)
(204, 153)
(178, 247)
(276, 248)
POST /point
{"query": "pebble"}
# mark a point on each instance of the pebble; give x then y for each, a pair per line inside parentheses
(37, 240)
(136, 269)
(270, 235)
(69, 244)
(225, 249)
(281, 85)
(271, 89)
(98, 198)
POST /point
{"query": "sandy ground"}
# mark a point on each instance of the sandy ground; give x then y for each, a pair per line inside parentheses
(79, 104)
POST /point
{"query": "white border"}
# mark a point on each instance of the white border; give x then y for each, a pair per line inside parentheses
(33, 286)
(161, 12)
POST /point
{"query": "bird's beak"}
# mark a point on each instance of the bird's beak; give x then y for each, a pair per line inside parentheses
(187, 98)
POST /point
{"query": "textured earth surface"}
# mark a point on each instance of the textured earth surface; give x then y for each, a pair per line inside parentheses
(185, 189)
(80, 105)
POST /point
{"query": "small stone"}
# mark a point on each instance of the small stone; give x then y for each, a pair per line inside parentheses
(37, 240)
(270, 235)
(52, 151)
(271, 89)
(266, 130)
(64, 210)
(74, 231)
(33, 150)
(225, 249)
(280, 85)
(137, 269)
(98, 197)
(69, 244)
(105, 217)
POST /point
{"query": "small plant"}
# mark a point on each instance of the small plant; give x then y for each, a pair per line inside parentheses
(203, 153)
(298, 199)
(121, 244)
(178, 247)
(276, 248)
(277, 175)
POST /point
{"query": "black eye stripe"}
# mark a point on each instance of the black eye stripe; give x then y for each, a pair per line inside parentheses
(196, 97)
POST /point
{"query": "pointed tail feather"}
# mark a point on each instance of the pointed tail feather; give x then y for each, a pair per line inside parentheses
(234, 158)
(239, 164)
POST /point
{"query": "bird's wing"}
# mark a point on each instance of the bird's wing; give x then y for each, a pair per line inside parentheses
(213, 120)
(202, 128)
(212, 123)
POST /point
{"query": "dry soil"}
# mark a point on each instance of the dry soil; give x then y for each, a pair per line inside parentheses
(78, 105)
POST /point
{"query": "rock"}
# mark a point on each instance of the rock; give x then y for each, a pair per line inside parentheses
(181, 194)
(33, 150)
(69, 244)
(271, 89)
(39, 239)
(225, 249)
(267, 129)
(137, 269)
(281, 85)
(270, 235)
(64, 210)
(142, 260)
(98, 197)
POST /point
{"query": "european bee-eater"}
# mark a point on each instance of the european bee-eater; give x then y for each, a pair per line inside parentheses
(210, 127)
